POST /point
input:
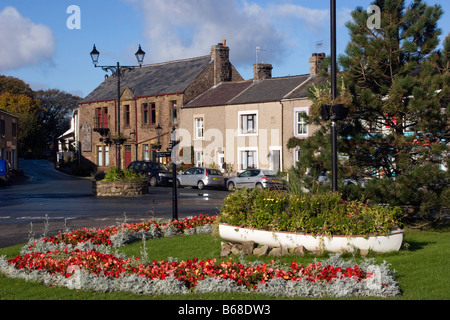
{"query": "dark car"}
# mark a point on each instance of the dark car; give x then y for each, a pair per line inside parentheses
(156, 173)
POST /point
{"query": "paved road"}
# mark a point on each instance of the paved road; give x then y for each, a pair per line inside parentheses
(64, 200)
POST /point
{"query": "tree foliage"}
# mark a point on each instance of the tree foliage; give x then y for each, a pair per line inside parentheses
(43, 115)
(396, 80)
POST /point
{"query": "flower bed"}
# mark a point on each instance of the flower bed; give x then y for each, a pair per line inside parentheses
(83, 259)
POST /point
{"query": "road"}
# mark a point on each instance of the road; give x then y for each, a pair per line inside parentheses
(53, 200)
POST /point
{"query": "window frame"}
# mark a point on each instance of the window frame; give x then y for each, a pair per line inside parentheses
(243, 115)
(197, 128)
(297, 122)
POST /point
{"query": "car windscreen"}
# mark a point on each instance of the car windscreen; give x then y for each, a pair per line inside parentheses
(269, 173)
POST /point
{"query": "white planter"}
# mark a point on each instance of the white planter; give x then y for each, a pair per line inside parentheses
(389, 243)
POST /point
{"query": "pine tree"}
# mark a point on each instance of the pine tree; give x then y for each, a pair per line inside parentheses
(400, 86)
(396, 81)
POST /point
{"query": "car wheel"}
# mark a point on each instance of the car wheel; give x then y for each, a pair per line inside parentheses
(259, 186)
(153, 181)
(178, 183)
(200, 185)
(230, 186)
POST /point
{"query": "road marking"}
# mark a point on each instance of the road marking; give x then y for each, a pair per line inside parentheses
(44, 218)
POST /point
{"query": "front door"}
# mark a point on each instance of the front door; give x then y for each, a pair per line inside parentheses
(127, 155)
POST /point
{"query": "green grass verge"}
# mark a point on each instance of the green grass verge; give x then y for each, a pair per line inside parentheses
(422, 269)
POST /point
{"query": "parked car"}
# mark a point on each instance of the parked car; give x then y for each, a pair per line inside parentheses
(156, 173)
(201, 177)
(5, 170)
(256, 178)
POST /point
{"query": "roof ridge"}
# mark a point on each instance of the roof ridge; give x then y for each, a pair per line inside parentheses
(299, 86)
(173, 61)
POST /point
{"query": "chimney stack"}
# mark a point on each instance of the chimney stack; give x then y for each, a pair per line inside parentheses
(314, 63)
(220, 54)
(262, 71)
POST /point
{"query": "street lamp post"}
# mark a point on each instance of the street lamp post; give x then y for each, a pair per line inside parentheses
(173, 142)
(333, 97)
(117, 71)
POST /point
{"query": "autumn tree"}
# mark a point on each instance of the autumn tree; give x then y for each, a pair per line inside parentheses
(17, 98)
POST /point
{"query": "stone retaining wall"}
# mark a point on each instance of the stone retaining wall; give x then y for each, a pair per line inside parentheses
(119, 188)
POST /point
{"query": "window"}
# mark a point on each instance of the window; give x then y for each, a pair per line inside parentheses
(103, 156)
(152, 113)
(14, 130)
(100, 156)
(248, 159)
(145, 114)
(146, 152)
(173, 107)
(2, 127)
(248, 123)
(301, 126)
(101, 118)
(296, 155)
(106, 149)
(199, 128)
(198, 158)
(127, 116)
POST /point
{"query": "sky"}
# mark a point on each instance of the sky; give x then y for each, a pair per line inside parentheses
(47, 43)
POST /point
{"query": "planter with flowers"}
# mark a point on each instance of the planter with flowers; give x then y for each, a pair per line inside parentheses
(318, 222)
(119, 182)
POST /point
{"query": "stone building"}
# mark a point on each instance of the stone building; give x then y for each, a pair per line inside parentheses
(9, 138)
(151, 98)
(247, 124)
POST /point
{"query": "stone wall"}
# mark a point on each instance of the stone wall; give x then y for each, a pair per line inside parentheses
(119, 188)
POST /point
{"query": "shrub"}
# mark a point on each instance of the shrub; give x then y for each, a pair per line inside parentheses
(116, 174)
(319, 214)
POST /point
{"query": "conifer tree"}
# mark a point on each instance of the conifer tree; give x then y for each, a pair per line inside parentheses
(395, 81)
(400, 83)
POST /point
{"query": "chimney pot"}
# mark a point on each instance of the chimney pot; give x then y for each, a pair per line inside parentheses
(314, 63)
(262, 71)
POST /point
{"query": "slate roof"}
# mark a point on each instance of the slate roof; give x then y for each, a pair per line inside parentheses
(273, 89)
(220, 95)
(156, 79)
(267, 90)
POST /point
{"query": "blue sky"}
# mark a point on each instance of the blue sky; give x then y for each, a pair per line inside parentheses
(37, 46)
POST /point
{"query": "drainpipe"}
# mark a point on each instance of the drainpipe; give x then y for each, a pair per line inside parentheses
(136, 128)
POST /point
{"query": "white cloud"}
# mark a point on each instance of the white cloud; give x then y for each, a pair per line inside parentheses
(23, 42)
(180, 29)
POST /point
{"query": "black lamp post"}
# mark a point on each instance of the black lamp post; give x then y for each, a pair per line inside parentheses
(173, 142)
(333, 96)
(117, 71)
(334, 112)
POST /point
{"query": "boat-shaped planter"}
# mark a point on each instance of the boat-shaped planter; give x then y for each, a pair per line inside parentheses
(391, 242)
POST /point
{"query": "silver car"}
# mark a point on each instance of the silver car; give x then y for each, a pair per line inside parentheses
(201, 177)
(256, 178)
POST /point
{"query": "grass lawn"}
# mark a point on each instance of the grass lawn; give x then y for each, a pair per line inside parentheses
(422, 269)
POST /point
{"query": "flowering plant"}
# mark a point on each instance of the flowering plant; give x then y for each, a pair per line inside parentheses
(319, 214)
(102, 271)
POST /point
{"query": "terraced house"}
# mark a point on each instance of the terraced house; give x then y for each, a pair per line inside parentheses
(247, 124)
(151, 98)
